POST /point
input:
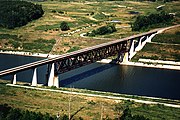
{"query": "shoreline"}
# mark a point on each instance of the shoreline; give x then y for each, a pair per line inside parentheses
(147, 64)
(141, 63)
(30, 54)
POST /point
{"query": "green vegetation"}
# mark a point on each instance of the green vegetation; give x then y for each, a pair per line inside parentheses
(8, 36)
(39, 45)
(84, 16)
(100, 16)
(110, 28)
(167, 38)
(17, 43)
(9, 113)
(47, 27)
(159, 51)
(18, 13)
(84, 107)
(152, 111)
(74, 48)
(64, 26)
(143, 22)
(164, 46)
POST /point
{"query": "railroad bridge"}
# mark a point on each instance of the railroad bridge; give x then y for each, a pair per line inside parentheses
(124, 49)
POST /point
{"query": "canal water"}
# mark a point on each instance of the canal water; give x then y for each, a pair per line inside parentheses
(122, 79)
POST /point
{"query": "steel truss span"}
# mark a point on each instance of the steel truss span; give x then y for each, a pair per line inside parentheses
(80, 59)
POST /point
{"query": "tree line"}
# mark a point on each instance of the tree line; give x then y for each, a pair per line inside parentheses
(143, 22)
(18, 13)
(9, 113)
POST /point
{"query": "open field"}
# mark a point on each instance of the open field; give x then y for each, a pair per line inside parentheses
(82, 17)
(53, 102)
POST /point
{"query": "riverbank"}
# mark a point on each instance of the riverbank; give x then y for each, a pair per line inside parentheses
(149, 63)
(28, 54)
(106, 95)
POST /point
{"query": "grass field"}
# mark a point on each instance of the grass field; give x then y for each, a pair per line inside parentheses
(87, 15)
(53, 102)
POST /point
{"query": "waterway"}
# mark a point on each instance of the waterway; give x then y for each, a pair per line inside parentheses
(133, 80)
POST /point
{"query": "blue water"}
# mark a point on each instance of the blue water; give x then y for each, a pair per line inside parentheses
(131, 80)
(8, 61)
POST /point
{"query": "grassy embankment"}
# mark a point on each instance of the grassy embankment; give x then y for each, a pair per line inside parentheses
(164, 46)
(53, 102)
(88, 15)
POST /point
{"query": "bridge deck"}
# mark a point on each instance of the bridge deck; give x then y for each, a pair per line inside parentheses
(82, 51)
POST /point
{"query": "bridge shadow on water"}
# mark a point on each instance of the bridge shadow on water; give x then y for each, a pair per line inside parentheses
(85, 74)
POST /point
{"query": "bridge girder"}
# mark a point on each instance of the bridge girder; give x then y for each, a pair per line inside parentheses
(84, 58)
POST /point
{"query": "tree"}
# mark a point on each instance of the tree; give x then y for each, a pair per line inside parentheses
(18, 13)
(64, 26)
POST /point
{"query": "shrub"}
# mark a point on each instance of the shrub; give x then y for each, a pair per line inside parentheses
(64, 26)
(110, 28)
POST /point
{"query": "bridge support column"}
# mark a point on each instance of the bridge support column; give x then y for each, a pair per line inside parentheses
(53, 78)
(140, 46)
(14, 79)
(126, 57)
(56, 81)
(34, 79)
(150, 37)
(132, 50)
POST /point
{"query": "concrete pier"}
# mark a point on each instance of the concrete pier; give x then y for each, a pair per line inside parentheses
(53, 79)
(14, 79)
(34, 79)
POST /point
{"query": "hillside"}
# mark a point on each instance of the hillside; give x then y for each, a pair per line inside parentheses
(82, 17)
